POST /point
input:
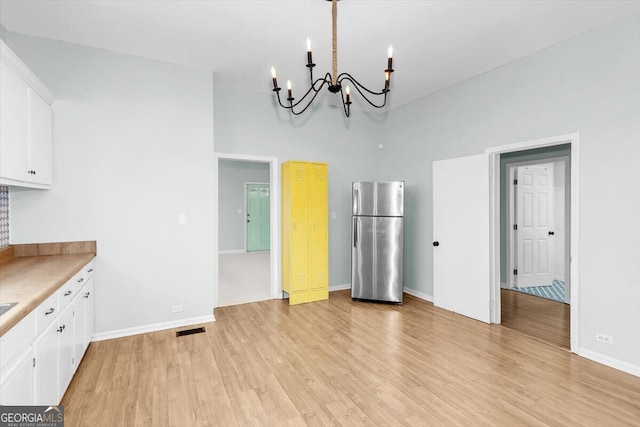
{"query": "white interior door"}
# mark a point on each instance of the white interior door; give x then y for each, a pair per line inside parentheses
(461, 236)
(534, 214)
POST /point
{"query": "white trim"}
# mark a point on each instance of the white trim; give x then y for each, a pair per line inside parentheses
(231, 251)
(574, 140)
(629, 368)
(418, 294)
(274, 207)
(339, 287)
(127, 332)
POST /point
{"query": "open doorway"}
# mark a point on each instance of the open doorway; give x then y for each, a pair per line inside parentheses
(248, 232)
(535, 295)
(533, 315)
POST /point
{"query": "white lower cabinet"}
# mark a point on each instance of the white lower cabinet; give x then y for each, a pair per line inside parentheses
(66, 366)
(38, 371)
(19, 386)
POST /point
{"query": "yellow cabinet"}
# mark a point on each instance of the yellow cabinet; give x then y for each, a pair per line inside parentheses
(305, 237)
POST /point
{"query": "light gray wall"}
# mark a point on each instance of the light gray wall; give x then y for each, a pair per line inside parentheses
(133, 149)
(248, 123)
(588, 84)
(232, 176)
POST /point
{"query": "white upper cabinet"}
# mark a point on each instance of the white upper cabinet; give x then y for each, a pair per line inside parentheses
(25, 125)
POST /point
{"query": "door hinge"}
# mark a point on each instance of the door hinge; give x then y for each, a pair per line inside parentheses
(34, 362)
(515, 226)
(515, 182)
(515, 271)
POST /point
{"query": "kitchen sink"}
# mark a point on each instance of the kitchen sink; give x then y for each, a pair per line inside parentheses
(6, 306)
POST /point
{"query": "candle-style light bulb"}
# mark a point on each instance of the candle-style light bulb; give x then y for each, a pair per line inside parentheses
(348, 92)
(289, 84)
(390, 60)
(390, 51)
(387, 76)
(273, 72)
(289, 96)
(274, 77)
(309, 56)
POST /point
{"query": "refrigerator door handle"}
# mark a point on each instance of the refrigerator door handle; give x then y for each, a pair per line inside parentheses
(355, 232)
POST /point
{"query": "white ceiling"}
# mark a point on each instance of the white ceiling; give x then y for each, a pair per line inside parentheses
(436, 43)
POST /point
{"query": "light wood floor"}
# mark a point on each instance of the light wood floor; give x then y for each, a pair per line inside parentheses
(538, 317)
(339, 362)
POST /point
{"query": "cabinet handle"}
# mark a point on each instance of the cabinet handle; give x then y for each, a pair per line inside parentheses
(87, 294)
(80, 280)
(66, 294)
(51, 310)
(90, 270)
(61, 328)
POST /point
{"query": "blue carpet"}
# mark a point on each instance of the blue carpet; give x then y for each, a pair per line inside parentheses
(555, 291)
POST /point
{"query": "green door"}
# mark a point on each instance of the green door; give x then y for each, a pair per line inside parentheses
(257, 217)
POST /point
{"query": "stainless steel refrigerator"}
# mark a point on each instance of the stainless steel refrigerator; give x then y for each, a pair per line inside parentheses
(377, 241)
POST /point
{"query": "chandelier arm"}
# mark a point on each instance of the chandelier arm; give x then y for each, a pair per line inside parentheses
(347, 76)
(292, 106)
(358, 85)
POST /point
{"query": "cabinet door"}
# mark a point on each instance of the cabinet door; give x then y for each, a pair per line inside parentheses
(299, 228)
(40, 161)
(14, 122)
(89, 319)
(318, 239)
(18, 388)
(65, 350)
(79, 321)
(47, 367)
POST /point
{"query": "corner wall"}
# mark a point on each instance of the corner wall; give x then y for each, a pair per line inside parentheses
(133, 149)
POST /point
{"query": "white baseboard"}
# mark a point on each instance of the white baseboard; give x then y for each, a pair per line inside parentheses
(231, 251)
(339, 287)
(120, 333)
(610, 361)
(418, 294)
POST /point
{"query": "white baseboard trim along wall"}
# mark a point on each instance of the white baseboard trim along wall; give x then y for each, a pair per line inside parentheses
(121, 333)
(231, 251)
(339, 287)
(418, 294)
(610, 361)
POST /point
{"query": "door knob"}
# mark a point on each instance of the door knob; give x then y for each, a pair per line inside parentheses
(248, 220)
(552, 233)
(436, 243)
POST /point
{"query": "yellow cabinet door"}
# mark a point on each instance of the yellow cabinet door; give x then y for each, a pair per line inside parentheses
(319, 236)
(304, 231)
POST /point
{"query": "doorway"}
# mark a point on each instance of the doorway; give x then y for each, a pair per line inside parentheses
(499, 156)
(234, 172)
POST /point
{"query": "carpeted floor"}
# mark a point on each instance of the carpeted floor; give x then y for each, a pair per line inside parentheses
(555, 291)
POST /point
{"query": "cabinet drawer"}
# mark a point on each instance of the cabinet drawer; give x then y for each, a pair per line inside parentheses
(88, 271)
(47, 312)
(66, 292)
(15, 343)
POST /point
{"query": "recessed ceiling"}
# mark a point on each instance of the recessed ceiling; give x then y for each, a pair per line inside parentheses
(436, 43)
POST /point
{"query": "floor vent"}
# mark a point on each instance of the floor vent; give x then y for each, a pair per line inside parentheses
(189, 331)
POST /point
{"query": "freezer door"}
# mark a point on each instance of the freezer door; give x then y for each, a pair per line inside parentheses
(378, 198)
(377, 259)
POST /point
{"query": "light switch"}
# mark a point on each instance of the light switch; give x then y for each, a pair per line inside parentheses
(182, 219)
(333, 215)
(239, 211)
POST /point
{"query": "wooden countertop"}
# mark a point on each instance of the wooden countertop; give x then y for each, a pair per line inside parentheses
(29, 280)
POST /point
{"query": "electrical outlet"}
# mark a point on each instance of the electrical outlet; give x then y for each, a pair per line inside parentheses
(607, 339)
(177, 308)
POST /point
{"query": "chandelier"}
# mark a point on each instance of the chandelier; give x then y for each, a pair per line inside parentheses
(333, 80)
